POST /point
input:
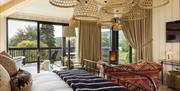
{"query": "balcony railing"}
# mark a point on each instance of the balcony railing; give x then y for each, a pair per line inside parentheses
(32, 54)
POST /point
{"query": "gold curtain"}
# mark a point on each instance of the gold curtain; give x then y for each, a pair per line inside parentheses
(139, 35)
(89, 41)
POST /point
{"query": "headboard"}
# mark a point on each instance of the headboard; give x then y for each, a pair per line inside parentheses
(91, 66)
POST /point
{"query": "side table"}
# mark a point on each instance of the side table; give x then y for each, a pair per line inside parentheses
(169, 62)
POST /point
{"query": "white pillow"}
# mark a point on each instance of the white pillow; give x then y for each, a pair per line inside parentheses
(4, 80)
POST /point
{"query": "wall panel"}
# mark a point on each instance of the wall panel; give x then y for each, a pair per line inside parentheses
(161, 15)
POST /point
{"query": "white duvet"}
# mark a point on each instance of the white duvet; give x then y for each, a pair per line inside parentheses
(49, 82)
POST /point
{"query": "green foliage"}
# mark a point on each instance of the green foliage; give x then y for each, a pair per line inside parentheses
(29, 33)
(125, 46)
(124, 52)
(47, 35)
(29, 44)
(32, 44)
(105, 39)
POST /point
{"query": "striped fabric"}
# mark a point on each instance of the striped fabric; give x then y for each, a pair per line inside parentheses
(81, 80)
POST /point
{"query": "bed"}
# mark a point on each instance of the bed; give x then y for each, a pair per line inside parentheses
(85, 79)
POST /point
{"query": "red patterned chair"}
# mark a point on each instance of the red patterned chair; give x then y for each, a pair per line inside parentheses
(131, 81)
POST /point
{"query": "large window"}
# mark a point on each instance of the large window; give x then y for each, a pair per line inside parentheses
(22, 34)
(51, 35)
(125, 51)
(105, 42)
(39, 41)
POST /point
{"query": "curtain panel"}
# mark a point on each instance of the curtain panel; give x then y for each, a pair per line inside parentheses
(89, 41)
(139, 35)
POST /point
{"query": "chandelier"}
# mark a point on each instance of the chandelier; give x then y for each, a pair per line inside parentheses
(64, 3)
(86, 10)
(104, 10)
(149, 4)
(113, 2)
(116, 24)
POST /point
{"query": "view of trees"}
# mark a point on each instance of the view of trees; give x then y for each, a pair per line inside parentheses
(47, 35)
(29, 33)
(105, 45)
(123, 49)
(27, 38)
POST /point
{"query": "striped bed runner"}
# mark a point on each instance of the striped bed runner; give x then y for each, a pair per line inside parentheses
(81, 80)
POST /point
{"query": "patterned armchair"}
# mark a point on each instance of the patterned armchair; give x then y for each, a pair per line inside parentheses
(131, 81)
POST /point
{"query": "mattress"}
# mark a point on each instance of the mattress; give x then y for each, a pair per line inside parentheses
(49, 81)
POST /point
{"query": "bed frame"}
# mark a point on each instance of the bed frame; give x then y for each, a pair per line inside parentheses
(91, 66)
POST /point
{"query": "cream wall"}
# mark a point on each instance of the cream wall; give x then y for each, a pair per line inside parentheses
(2, 33)
(161, 15)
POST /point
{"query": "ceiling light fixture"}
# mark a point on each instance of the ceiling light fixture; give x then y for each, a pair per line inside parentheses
(116, 24)
(105, 17)
(73, 23)
(149, 4)
(86, 10)
(136, 13)
(64, 3)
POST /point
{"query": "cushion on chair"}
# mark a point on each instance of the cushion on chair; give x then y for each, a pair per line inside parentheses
(6, 54)
(8, 64)
(4, 80)
(21, 81)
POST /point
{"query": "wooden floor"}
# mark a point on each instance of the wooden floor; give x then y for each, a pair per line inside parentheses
(164, 88)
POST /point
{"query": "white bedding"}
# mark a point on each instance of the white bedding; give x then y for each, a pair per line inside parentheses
(49, 82)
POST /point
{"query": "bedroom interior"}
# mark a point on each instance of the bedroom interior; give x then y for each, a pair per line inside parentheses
(89, 45)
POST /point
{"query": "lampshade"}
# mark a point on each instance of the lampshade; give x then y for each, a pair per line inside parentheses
(118, 10)
(112, 2)
(117, 27)
(69, 32)
(64, 3)
(116, 24)
(149, 4)
(121, 8)
(136, 13)
(73, 23)
(86, 10)
(102, 2)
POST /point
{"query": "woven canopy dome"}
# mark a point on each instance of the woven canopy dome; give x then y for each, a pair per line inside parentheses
(86, 10)
(64, 3)
(105, 18)
(136, 13)
(113, 2)
(149, 4)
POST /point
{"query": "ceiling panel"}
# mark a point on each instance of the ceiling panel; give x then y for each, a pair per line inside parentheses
(43, 7)
(4, 1)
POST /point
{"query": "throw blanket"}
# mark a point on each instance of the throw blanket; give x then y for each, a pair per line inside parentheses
(81, 80)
